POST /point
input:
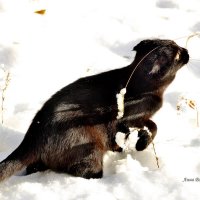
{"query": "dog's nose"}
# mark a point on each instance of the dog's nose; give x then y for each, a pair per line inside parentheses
(184, 55)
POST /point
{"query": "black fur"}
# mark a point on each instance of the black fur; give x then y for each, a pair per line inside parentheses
(78, 124)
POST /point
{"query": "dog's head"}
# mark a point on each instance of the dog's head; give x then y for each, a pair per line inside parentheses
(160, 59)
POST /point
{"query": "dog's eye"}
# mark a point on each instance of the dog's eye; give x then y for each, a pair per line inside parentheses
(177, 57)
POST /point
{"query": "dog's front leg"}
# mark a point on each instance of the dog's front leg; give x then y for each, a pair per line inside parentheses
(146, 135)
(146, 132)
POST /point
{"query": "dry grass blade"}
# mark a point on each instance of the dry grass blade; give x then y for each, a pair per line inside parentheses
(191, 36)
(3, 89)
(154, 149)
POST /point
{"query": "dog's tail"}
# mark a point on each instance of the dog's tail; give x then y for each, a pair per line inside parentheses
(14, 163)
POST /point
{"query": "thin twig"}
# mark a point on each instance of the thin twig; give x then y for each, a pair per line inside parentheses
(154, 149)
(4, 88)
(191, 36)
(139, 64)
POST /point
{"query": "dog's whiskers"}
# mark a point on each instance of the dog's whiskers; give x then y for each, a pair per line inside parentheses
(193, 59)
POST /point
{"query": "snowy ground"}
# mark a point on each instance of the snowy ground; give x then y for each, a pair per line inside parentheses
(76, 38)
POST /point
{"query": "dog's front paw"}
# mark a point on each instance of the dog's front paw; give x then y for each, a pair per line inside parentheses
(144, 139)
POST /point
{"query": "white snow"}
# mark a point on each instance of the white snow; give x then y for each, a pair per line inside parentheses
(120, 103)
(127, 144)
(76, 38)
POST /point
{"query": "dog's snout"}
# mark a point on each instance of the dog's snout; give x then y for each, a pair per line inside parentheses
(184, 55)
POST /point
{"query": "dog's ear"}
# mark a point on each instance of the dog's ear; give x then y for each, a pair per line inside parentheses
(142, 45)
(147, 45)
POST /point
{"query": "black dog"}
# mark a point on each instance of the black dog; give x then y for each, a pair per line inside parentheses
(78, 124)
